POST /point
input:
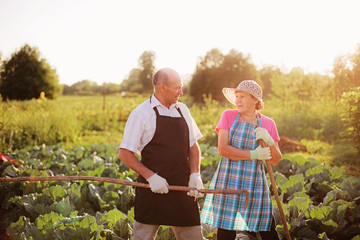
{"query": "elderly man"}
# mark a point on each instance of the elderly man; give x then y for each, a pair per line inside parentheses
(163, 130)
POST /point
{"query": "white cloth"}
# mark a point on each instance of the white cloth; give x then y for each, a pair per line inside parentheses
(141, 124)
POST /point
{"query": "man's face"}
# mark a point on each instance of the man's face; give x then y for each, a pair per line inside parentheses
(173, 89)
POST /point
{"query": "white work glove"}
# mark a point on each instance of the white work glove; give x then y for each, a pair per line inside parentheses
(260, 153)
(262, 133)
(158, 184)
(195, 182)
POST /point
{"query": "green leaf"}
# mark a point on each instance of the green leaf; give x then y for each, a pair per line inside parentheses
(319, 173)
(86, 164)
(20, 223)
(330, 196)
(126, 199)
(111, 197)
(323, 236)
(64, 207)
(280, 179)
(112, 217)
(165, 233)
(47, 221)
(337, 174)
(55, 192)
(299, 205)
(97, 172)
(89, 222)
(293, 185)
(340, 208)
(122, 228)
(319, 213)
(352, 185)
(79, 152)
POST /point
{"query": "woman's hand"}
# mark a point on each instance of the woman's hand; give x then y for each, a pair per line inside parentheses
(262, 133)
(260, 153)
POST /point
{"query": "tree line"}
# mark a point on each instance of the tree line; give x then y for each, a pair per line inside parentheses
(25, 75)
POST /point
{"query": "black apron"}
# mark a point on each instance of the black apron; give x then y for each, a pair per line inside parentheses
(167, 155)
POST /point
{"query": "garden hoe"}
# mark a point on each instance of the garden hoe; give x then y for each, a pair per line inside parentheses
(124, 182)
(273, 185)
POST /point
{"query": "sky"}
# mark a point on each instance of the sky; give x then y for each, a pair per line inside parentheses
(101, 41)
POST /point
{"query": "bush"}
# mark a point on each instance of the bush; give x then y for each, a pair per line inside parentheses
(350, 116)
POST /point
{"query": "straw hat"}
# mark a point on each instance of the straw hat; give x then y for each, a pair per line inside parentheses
(249, 86)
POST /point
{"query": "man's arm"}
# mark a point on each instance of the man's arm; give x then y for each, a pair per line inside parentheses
(130, 160)
(194, 158)
(195, 176)
(157, 183)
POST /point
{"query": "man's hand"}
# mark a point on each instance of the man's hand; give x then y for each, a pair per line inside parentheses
(158, 184)
(260, 153)
(262, 133)
(195, 182)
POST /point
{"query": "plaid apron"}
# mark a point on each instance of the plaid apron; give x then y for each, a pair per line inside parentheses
(227, 211)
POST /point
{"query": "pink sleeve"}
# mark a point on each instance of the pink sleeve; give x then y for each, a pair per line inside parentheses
(226, 120)
(270, 125)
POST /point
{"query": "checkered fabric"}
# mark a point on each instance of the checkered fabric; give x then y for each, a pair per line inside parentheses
(227, 211)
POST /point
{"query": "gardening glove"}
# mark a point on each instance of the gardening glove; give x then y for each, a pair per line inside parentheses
(260, 153)
(158, 184)
(262, 133)
(195, 182)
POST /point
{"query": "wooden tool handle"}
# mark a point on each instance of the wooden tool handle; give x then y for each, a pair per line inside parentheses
(274, 188)
(129, 183)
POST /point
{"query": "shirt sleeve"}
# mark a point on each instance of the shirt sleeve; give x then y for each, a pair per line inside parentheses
(133, 132)
(274, 133)
(270, 125)
(226, 120)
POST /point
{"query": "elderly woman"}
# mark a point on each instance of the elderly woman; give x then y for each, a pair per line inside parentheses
(241, 166)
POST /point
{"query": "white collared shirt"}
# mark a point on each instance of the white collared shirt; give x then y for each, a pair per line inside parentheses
(141, 124)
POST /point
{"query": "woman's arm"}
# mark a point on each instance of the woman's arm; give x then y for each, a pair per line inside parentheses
(275, 154)
(228, 151)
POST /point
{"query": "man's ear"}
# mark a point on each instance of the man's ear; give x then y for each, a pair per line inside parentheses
(162, 86)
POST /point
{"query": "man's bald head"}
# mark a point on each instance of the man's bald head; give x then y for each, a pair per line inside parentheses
(163, 76)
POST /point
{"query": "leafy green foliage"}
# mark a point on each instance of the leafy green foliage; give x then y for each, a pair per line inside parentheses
(67, 119)
(25, 76)
(346, 70)
(319, 202)
(147, 70)
(69, 210)
(350, 103)
(215, 71)
(317, 199)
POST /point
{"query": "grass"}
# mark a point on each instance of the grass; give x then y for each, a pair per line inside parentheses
(340, 154)
(89, 119)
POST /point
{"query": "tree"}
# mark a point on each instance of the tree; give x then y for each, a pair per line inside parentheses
(84, 87)
(265, 75)
(25, 76)
(132, 82)
(215, 71)
(147, 70)
(350, 114)
(347, 72)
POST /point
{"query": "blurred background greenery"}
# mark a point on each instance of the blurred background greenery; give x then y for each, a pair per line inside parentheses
(320, 112)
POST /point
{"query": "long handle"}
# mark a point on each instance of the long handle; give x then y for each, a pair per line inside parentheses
(273, 185)
(124, 182)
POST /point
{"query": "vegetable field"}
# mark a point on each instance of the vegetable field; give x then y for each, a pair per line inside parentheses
(79, 136)
(320, 202)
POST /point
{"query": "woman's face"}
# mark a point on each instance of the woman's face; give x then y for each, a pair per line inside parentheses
(245, 102)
